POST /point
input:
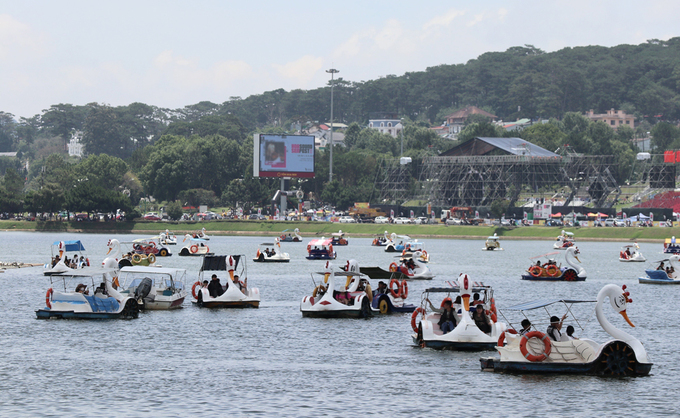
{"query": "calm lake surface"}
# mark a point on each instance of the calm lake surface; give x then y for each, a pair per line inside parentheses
(272, 362)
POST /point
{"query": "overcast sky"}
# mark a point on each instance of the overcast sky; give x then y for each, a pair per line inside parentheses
(176, 53)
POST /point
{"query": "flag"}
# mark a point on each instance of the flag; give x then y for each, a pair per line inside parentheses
(476, 214)
(651, 216)
(259, 211)
(391, 213)
(411, 213)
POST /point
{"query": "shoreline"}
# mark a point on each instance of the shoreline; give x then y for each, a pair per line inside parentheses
(318, 229)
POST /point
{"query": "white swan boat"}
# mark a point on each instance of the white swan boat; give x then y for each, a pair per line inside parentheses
(339, 238)
(492, 244)
(235, 293)
(534, 352)
(411, 247)
(391, 299)
(266, 255)
(196, 247)
(62, 248)
(466, 336)
(86, 293)
(413, 268)
(564, 240)
(381, 240)
(661, 275)
(550, 271)
(117, 259)
(393, 247)
(167, 238)
(202, 234)
(631, 253)
(294, 237)
(347, 301)
(154, 288)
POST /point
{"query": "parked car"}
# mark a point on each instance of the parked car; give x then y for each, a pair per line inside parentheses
(454, 221)
(381, 220)
(347, 220)
(257, 217)
(554, 222)
(402, 220)
(614, 222)
(152, 216)
(422, 220)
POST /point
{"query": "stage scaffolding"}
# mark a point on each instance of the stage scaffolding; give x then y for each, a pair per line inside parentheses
(479, 180)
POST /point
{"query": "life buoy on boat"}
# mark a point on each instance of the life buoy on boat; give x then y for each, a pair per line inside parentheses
(494, 313)
(137, 258)
(330, 250)
(375, 241)
(151, 258)
(535, 270)
(540, 336)
(397, 293)
(87, 261)
(501, 339)
(552, 270)
(393, 267)
(623, 255)
(414, 315)
(424, 256)
(193, 249)
(48, 298)
(403, 290)
(193, 290)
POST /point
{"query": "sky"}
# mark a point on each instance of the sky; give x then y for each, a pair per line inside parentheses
(176, 53)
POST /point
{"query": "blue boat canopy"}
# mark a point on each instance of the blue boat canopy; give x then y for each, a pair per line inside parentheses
(540, 303)
(71, 245)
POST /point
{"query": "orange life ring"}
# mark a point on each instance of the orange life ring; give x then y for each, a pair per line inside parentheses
(207, 249)
(535, 270)
(375, 241)
(552, 270)
(444, 301)
(193, 290)
(393, 267)
(494, 313)
(501, 339)
(414, 315)
(540, 336)
(403, 290)
(48, 297)
(193, 249)
(397, 293)
(425, 253)
(87, 261)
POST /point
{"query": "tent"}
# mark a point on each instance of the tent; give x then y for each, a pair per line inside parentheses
(639, 217)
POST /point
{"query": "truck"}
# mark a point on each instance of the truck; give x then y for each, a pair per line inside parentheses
(363, 212)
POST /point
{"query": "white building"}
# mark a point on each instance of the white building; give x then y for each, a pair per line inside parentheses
(386, 126)
(75, 148)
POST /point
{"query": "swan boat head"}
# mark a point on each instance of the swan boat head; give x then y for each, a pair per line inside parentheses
(619, 298)
(465, 286)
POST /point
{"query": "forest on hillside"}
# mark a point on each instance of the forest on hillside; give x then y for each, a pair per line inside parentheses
(203, 152)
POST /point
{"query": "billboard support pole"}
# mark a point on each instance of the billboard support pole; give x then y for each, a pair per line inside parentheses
(332, 72)
(284, 209)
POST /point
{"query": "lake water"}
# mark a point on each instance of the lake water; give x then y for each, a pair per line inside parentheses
(272, 362)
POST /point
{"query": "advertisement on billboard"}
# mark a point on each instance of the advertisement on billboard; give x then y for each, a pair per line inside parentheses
(283, 155)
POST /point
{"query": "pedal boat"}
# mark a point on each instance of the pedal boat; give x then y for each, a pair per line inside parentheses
(196, 247)
(466, 336)
(166, 238)
(419, 271)
(393, 247)
(233, 297)
(321, 249)
(410, 248)
(393, 300)
(62, 248)
(294, 237)
(381, 240)
(551, 272)
(277, 256)
(100, 300)
(660, 276)
(564, 241)
(347, 302)
(631, 253)
(492, 244)
(339, 238)
(154, 288)
(135, 257)
(534, 352)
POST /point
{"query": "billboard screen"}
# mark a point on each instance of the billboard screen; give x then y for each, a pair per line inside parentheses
(283, 155)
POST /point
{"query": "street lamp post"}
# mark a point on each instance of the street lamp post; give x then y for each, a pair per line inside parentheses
(402, 137)
(332, 72)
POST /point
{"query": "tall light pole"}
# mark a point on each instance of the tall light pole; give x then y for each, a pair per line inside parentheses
(332, 72)
(402, 136)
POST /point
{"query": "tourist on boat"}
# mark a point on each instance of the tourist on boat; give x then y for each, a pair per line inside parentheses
(526, 326)
(554, 328)
(481, 320)
(570, 333)
(475, 300)
(238, 283)
(661, 266)
(215, 287)
(81, 288)
(457, 304)
(55, 261)
(382, 288)
(628, 253)
(205, 284)
(448, 319)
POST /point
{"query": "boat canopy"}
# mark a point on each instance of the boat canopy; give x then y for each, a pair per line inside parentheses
(71, 245)
(146, 239)
(544, 255)
(494, 238)
(567, 233)
(152, 270)
(456, 289)
(338, 234)
(631, 246)
(540, 303)
(218, 262)
(85, 272)
(268, 243)
(321, 241)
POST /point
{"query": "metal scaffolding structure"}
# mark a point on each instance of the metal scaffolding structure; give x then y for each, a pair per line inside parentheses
(479, 180)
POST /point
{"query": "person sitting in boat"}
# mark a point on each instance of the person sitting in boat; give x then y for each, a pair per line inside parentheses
(239, 284)
(475, 300)
(661, 266)
(55, 260)
(457, 304)
(570, 333)
(382, 288)
(481, 320)
(204, 284)
(628, 253)
(215, 287)
(554, 328)
(526, 326)
(448, 319)
(81, 288)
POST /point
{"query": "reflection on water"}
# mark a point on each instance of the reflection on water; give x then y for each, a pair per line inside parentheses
(271, 361)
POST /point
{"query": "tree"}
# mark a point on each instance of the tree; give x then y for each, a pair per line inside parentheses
(7, 132)
(103, 134)
(103, 170)
(663, 135)
(174, 210)
(197, 197)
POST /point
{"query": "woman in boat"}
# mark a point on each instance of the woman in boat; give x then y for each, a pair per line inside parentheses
(526, 326)
(448, 318)
(481, 320)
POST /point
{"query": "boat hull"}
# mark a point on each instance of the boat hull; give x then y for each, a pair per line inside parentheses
(646, 280)
(236, 304)
(348, 313)
(561, 278)
(456, 345)
(51, 314)
(519, 367)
